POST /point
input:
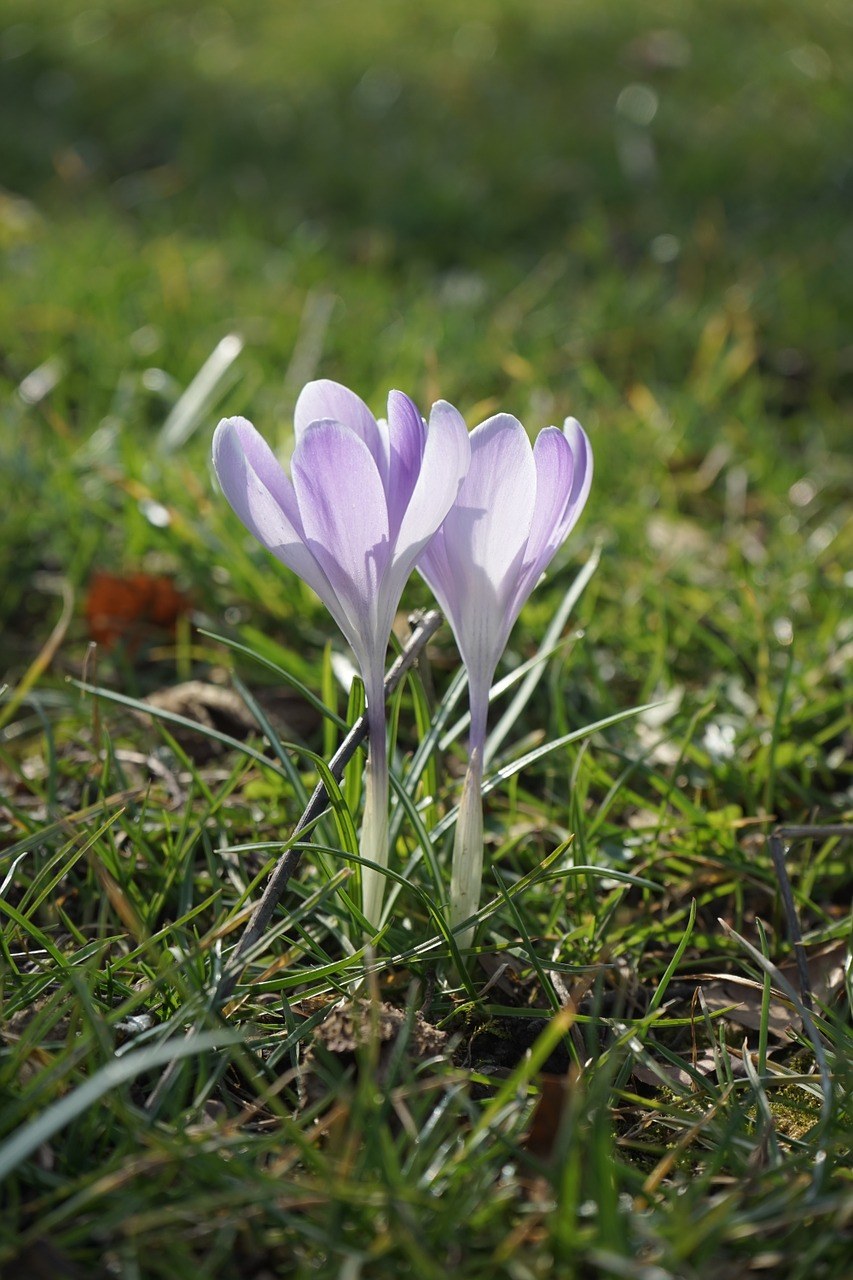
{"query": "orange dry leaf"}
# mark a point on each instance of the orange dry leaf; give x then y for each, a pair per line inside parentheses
(131, 608)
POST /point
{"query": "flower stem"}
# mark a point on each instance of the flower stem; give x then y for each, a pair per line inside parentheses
(374, 830)
(467, 874)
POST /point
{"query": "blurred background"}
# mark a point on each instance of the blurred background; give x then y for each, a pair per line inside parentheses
(638, 213)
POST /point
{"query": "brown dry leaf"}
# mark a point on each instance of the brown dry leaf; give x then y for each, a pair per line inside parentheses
(825, 967)
(213, 706)
(705, 1064)
(547, 1115)
(132, 607)
(722, 991)
(210, 705)
(826, 977)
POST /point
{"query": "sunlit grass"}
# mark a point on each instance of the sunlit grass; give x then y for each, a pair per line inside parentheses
(442, 201)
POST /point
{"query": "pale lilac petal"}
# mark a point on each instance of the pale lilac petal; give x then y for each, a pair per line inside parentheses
(555, 468)
(442, 470)
(563, 477)
(345, 519)
(325, 399)
(406, 439)
(237, 443)
(473, 563)
(476, 612)
(263, 497)
(582, 478)
(492, 516)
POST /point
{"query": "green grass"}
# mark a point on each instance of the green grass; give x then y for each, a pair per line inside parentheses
(636, 213)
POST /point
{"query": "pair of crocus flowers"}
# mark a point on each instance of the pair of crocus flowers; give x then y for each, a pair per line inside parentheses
(480, 516)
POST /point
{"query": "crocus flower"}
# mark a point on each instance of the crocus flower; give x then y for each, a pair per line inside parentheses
(362, 502)
(515, 507)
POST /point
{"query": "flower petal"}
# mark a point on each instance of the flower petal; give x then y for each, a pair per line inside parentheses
(493, 513)
(345, 518)
(443, 467)
(406, 438)
(237, 448)
(582, 478)
(563, 477)
(472, 563)
(326, 399)
(555, 466)
(263, 497)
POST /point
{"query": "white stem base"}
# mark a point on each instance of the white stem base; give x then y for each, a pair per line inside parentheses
(467, 874)
(373, 843)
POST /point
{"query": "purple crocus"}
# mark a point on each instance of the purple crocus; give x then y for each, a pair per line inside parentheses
(363, 501)
(516, 506)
